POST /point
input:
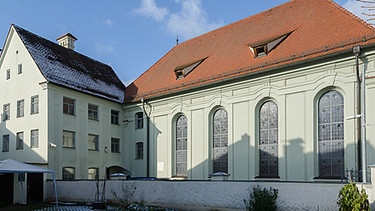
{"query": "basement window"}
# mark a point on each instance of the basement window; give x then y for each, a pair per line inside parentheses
(263, 48)
(182, 70)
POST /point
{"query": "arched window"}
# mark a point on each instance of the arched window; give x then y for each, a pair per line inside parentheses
(220, 141)
(268, 140)
(181, 146)
(331, 134)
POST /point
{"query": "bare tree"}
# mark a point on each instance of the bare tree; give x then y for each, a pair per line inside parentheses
(369, 5)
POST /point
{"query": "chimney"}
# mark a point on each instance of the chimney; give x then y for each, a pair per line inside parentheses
(67, 41)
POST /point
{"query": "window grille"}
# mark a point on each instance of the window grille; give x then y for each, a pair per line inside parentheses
(181, 146)
(220, 141)
(268, 140)
(331, 134)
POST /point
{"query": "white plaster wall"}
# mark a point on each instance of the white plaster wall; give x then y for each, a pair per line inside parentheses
(204, 195)
(18, 87)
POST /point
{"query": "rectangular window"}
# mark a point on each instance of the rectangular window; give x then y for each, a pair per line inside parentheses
(19, 141)
(115, 145)
(139, 150)
(139, 120)
(68, 106)
(19, 68)
(93, 112)
(68, 173)
(114, 117)
(34, 104)
(93, 173)
(93, 142)
(6, 112)
(68, 139)
(8, 74)
(20, 108)
(6, 143)
(34, 138)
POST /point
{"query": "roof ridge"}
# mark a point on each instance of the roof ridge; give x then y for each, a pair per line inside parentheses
(235, 22)
(60, 45)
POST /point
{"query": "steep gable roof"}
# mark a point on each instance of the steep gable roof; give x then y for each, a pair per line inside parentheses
(68, 68)
(314, 29)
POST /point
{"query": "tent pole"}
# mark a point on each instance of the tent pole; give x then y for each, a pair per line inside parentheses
(55, 187)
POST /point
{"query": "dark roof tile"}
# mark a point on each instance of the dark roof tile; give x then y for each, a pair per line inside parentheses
(70, 69)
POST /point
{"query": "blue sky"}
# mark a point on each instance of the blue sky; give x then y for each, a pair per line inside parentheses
(131, 35)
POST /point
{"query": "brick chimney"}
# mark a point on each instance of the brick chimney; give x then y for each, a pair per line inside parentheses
(67, 41)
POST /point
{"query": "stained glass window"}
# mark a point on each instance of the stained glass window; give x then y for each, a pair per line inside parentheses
(331, 134)
(268, 140)
(220, 141)
(181, 146)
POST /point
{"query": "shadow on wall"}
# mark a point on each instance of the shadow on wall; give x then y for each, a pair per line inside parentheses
(17, 147)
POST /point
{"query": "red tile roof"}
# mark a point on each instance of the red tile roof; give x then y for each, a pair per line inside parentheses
(317, 28)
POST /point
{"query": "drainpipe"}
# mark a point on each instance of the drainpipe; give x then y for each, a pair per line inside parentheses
(361, 113)
(356, 51)
(147, 138)
(363, 122)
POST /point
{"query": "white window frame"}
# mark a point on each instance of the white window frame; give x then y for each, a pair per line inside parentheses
(69, 105)
(139, 148)
(34, 104)
(21, 108)
(6, 143)
(68, 139)
(6, 112)
(68, 173)
(92, 112)
(115, 145)
(93, 142)
(34, 138)
(115, 117)
(139, 120)
(19, 140)
(20, 68)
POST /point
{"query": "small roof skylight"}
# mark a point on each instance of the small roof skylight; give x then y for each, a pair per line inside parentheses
(182, 70)
(262, 48)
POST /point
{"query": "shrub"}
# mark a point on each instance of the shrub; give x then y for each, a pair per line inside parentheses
(350, 199)
(262, 199)
(127, 195)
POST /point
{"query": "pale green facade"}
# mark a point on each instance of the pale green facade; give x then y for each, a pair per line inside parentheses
(295, 89)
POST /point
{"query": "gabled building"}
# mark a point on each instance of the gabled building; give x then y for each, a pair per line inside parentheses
(270, 97)
(59, 109)
(263, 98)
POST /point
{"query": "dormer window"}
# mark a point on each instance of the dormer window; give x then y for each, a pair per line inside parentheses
(260, 51)
(262, 48)
(182, 70)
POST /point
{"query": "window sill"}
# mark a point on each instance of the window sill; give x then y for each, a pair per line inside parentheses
(179, 178)
(329, 179)
(267, 178)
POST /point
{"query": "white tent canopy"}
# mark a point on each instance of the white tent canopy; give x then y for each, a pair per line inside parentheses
(13, 166)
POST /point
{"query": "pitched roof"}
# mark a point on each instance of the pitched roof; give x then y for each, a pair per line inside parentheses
(314, 29)
(68, 68)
